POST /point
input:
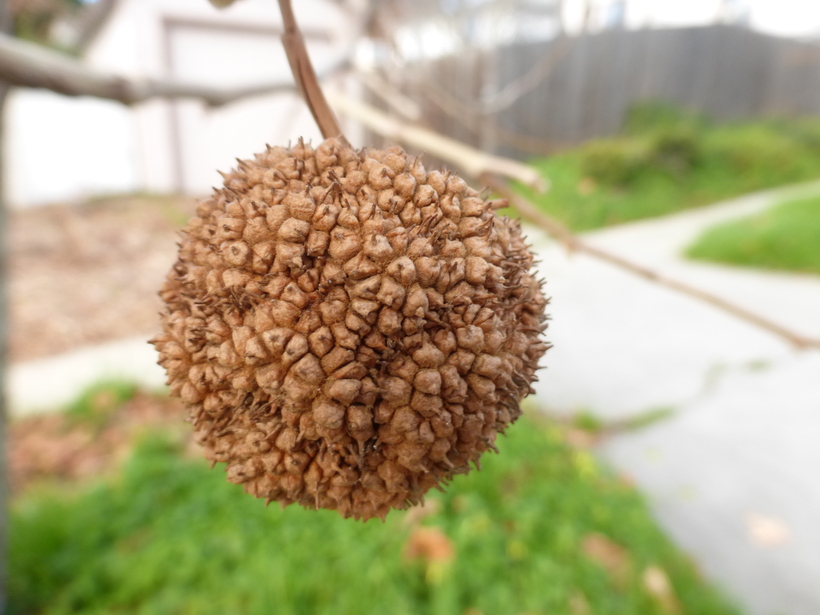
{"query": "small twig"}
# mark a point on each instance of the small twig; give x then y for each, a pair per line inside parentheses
(405, 106)
(305, 76)
(510, 93)
(565, 236)
(474, 162)
(30, 65)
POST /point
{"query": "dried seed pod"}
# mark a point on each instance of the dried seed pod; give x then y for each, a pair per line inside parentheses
(348, 330)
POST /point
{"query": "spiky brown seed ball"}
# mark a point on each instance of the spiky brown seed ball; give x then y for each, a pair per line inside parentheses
(347, 329)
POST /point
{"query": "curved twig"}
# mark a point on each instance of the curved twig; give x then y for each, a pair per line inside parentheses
(305, 76)
(31, 65)
(472, 161)
(560, 232)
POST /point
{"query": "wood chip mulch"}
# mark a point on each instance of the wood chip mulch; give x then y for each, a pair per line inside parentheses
(89, 273)
(61, 447)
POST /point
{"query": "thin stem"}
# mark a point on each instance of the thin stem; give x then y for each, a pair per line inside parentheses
(305, 76)
(558, 231)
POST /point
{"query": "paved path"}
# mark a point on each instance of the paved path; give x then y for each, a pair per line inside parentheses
(734, 476)
(45, 385)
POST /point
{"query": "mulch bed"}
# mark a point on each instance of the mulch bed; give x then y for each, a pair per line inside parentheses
(61, 447)
(89, 273)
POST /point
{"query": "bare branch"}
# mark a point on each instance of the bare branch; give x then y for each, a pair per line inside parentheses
(474, 162)
(511, 92)
(405, 106)
(476, 124)
(30, 65)
(305, 76)
(558, 231)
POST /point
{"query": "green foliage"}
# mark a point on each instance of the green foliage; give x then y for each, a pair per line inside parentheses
(620, 162)
(675, 150)
(657, 138)
(615, 162)
(587, 421)
(171, 536)
(99, 402)
(673, 166)
(33, 20)
(653, 116)
(786, 236)
(649, 417)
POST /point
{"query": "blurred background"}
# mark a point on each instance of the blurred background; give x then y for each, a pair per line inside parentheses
(668, 464)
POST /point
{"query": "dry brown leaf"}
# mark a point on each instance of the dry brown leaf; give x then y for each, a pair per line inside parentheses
(657, 584)
(767, 531)
(429, 544)
(54, 447)
(610, 555)
(581, 438)
(87, 274)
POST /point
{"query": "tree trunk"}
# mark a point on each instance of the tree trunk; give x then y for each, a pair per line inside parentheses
(5, 26)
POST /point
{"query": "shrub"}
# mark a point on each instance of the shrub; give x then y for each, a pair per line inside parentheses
(615, 162)
(651, 116)
(675, 150)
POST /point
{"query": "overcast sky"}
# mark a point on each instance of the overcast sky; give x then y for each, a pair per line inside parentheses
(783, 17)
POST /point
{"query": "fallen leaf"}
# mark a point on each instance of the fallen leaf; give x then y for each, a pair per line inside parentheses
(657, 584)
(767, 531)
(55, 447)
(429, 544)
(610, 555)
(581, 438)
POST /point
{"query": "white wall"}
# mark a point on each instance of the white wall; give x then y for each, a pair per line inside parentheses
(97, 147)
(59, 149)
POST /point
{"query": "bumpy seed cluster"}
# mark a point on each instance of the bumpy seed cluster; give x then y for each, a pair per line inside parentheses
(347, 329)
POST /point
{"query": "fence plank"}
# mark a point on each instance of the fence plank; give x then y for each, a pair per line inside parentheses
(724, 72)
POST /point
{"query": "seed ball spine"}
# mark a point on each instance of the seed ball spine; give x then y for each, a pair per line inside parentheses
(347, 329)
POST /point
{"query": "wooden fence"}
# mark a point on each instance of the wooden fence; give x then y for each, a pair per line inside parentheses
(534, 98)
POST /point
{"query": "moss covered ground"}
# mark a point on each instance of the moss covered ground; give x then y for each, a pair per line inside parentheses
(543, 528)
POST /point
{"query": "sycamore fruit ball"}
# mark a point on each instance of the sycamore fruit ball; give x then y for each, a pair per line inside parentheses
(347, 329)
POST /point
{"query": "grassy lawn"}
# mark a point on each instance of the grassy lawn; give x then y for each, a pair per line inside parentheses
(541, 529)
(662, 165)
(786, 236)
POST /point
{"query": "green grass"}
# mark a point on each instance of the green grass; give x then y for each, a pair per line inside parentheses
(97, 403)
(786, 236)
(660, 169)
(171, 536)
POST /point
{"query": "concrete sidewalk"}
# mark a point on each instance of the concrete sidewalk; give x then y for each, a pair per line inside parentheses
(734, 476)
(46, 385)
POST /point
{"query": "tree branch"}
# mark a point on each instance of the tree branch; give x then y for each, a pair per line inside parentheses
(560, 232)
(31, 65)
(474, 162)
(488, 169)
(405, 106)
